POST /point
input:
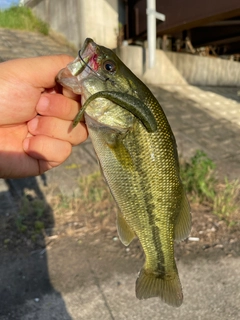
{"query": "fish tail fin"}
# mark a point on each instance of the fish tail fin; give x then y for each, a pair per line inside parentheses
(152, 285)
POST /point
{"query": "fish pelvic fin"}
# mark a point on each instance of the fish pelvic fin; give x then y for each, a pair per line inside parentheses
(126, 235)
(149, 285)
(183, 221)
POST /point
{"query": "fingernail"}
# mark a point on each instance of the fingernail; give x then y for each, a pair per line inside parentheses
(32, 124)
(26, 144)
(43, 104)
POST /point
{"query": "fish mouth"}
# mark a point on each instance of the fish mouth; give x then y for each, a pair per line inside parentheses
(88, 56)
(85, 64)
(89, 48)
(81, 67)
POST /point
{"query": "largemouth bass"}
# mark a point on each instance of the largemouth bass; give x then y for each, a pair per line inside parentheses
(138, 156)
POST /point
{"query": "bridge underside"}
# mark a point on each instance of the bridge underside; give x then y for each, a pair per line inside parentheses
(210, 27)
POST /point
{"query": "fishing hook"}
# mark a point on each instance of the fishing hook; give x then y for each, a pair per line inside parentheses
(98, 74)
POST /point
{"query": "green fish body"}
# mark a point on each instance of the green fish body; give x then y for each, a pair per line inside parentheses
(138, 156)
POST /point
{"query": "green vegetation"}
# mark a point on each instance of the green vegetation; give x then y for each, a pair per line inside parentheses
(201, 184)
(29, 215)
(198, 177)
(22, 18)
(226, 203)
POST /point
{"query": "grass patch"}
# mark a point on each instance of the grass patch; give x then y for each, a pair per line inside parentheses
(199, 177)
(93, 187)
(22, 18)
(201, 184)
(226, 202)
(29, 214)
(93, 208)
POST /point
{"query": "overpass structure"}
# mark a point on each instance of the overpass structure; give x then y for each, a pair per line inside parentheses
(207, 27)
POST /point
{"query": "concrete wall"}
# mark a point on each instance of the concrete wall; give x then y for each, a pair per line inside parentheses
(99, 20)
(136, 57)
(206, 70)
(179, 69)
(80, 19)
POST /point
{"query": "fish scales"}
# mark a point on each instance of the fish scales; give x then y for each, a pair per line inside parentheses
(140, 165)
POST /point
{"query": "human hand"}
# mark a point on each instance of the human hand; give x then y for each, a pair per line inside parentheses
(35, 119)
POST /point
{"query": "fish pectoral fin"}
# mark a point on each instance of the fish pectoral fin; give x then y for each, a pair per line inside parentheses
(126, 235)
(183, 222)
(122, 155)
(149, 285)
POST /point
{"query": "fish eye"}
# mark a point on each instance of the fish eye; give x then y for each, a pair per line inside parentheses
(109, 66)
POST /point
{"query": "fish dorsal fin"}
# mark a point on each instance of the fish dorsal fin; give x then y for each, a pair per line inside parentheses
(183, 222)
(126, 235)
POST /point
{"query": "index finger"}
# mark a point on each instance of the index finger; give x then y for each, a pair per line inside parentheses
(40, 72)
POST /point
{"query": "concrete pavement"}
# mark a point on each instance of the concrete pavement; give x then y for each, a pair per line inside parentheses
(96, 280)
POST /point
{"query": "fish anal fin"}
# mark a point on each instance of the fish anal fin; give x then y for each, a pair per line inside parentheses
(126, 235)
(149, 285)
(183, 222)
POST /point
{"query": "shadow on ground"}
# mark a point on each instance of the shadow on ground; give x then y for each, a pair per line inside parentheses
(227, 92)
(24, 273)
